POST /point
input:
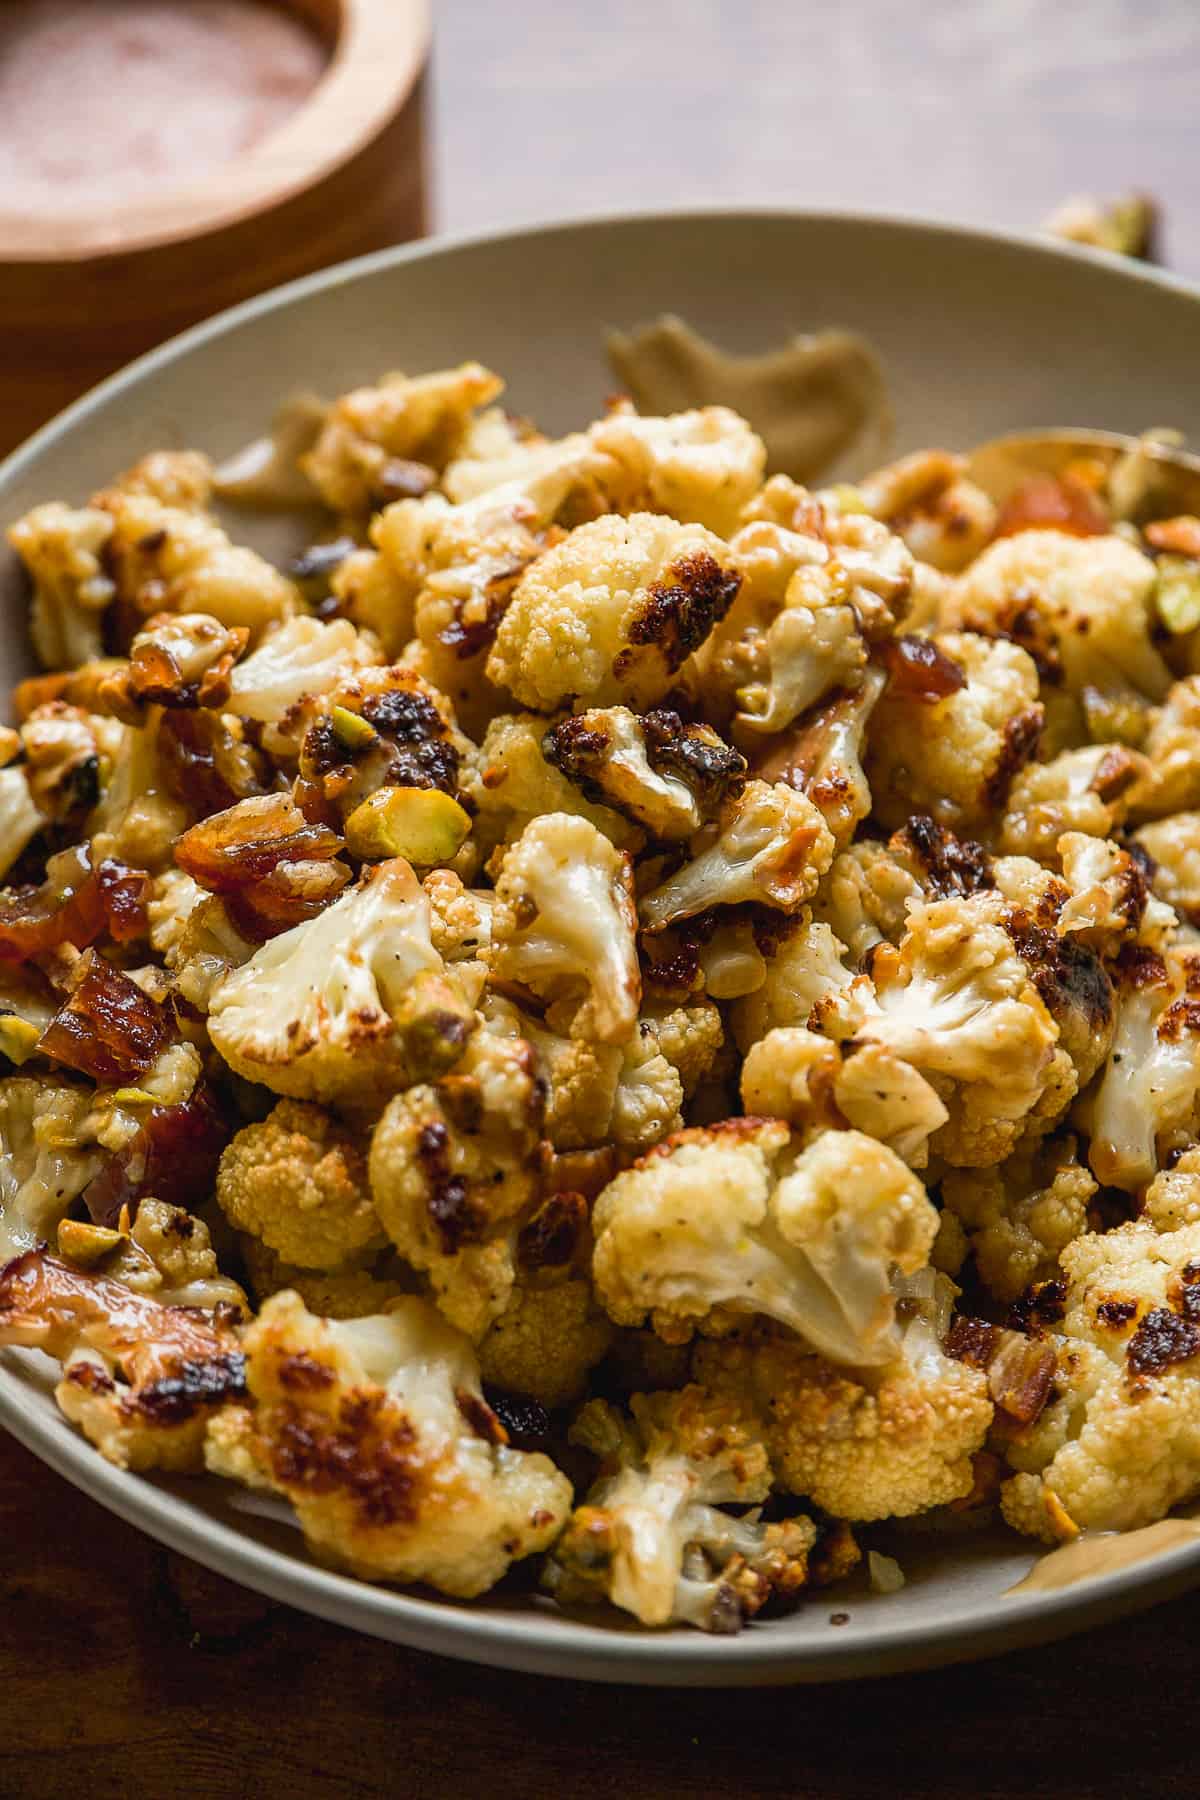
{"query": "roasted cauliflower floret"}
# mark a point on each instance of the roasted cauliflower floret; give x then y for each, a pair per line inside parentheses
(954, 755)
(1084, 609)
(1173, 846)
(649, 1536)
(1086, 790)
(926, 499)
(546, 1342)
(611, 613)
(668, 777)
(301, 657)
(62, 547)
(299, 1183)
(701, 466)
(1172, 748)
(1151, 1079)
(511, 782)
(769, 845)
(20, 820)
(564, 926)
(349, 1005)
(178, 559)
(1119, 1442)
(377, 1432)
(454, 1176)
(731, 1219)
(140, 1379)
(957, 1002)
(366, 1285)
(1020, 1216)
(864, 898)
(794, 1074)
(1172, 1199)
(864, 1444)
(380, 443)
(48, 1155)
(805, 969)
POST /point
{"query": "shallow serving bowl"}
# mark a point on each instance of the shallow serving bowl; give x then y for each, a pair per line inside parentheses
(979, 334)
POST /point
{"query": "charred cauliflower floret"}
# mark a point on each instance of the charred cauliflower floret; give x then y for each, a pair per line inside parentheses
(48, 1154)
(926, 499)
(794, 1074)
(512, 781)
(62, 548)
(546, 1342)
(1172, 1199)
(769, 845)
(564, 927)
(140, 1379)
(1118, 1444)
(1086, 790)
(1020, 1215)
(1150, 1082)
(823, 757)
(380, 443)
(957, 1002)
(667, 777)
(954, 754)
(731, 1219)
(347, 1006)
(299, 1183)
(1083, 607)
(864, 898)
(612, 612)
(650, 1537)
(377, 1432)
(865, 1444)
(177, 559)
(454, 1176)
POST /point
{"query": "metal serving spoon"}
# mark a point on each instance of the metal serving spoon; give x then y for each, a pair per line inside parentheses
(1148, 478)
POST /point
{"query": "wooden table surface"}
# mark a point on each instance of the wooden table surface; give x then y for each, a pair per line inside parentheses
(126, 1670)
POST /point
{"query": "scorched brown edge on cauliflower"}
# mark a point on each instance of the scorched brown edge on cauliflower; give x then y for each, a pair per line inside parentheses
(677, 995)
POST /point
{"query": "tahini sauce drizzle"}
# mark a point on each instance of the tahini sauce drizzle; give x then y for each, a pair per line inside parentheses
(1102, 1553)
(810, 401)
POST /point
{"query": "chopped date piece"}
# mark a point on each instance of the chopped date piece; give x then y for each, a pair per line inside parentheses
(175, 1153)
(1020, 1370)
(67, 908)
(1053, 503)
(124, 893)
(203, 765)
(107, 1028)
(918, 670)
(245, 843)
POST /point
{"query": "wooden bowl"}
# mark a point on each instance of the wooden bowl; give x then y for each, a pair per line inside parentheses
(82, 294)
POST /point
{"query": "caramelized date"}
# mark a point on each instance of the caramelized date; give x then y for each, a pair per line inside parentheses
(1053, 503)
(918, 670)
(246, 843)
(124, 893)
(107, 1028)
(174, 1154)
(67, 908)
(203, 765)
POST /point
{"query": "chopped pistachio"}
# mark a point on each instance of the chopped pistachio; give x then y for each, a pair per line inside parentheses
(18, 1038)
(886, 1575)
(84, 1243)
(134, 1096)
(423, 824)
(350, 729)
(847, 498)
(1177, 595)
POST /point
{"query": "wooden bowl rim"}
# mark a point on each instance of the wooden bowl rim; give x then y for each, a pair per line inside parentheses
(379, 50)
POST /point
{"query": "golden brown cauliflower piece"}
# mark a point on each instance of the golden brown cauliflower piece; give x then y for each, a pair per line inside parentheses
(61, 547)
(1021, 1215)
(299, 1182)
(377, 1432)
(546, 1342)
(954, 757)
(1088, 790)
(611, 613)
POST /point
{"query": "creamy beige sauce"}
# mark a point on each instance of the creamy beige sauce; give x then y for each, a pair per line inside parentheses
(102, 101)
(810, 401)
(1103, 1553)
(266, 472)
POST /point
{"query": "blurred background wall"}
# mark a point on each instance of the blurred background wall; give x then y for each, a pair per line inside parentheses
(991, 111)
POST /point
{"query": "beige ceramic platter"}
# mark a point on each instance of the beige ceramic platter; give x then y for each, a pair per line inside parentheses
(978, 335)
